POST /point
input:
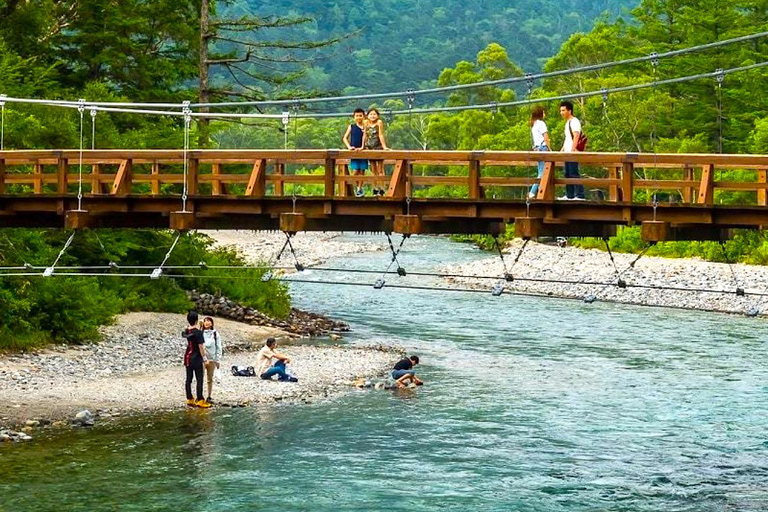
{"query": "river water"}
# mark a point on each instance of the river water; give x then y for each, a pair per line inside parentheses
(530, 404)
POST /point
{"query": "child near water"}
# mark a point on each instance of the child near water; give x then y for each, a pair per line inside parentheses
(374, 139)
(353, 139)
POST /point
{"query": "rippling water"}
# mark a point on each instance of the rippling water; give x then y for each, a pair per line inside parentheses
(530, 404)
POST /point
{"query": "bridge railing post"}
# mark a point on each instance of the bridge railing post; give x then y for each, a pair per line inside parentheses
(475, 192)
(547, 184)
(330, 173)
(123, 179)
(2, 176)
(627, 177)
(257, 183)
(61, 176)
(192, 175)
(762, 194)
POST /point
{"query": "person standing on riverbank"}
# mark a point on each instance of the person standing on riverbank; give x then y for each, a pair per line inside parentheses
(213, 351)
(572, 135)
(353, 139)
(403, 372)
(264, 363)
(194, 358)
(540, 143)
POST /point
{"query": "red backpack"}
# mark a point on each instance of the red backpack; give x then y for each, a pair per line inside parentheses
(583, 139)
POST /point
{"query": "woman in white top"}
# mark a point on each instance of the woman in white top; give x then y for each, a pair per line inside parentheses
(540, 142)
(213, 350)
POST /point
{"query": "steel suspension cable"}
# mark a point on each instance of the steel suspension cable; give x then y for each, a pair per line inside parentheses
(526, 78)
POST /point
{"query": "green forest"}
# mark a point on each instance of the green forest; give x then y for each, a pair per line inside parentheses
(150, 51)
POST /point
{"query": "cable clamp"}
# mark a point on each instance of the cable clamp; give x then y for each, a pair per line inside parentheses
(739, 292)
(604, 94)
(156, 273)
(286, 117)
(81, 105)
(48, 272)
(2, 100)
(498, 289)
(389, 116)
(379, 284)
(266, 276)
(410, 98)
(529, 81)
(719, 76)
(114, 266)
(654, 59)
(202, 264)
(621, 283)
(509, 277)
(589, 299)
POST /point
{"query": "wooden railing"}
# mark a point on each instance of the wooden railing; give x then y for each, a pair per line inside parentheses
(682, 178)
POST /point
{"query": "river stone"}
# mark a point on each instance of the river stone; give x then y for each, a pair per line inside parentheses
(32, 423)
(84, 418)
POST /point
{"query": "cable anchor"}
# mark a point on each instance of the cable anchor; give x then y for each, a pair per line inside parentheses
(529, 83)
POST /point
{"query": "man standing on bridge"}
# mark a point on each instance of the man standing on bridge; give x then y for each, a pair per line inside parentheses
(572, 136)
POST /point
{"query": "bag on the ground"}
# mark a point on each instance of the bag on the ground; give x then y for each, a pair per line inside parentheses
(243, 371)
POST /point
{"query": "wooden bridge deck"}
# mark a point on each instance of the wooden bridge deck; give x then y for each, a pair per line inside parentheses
(700, 196)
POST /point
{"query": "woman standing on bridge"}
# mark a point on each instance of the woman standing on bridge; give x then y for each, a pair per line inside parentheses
(540, 142)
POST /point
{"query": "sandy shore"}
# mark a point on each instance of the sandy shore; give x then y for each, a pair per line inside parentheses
(540, 261)
(138, 368)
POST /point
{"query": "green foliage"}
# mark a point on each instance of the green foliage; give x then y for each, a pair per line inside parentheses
(36, 310)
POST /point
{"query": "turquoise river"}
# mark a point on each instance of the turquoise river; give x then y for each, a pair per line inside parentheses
(530, 404)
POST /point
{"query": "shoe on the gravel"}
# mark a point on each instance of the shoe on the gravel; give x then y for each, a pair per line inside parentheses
(209, 400)
(202, 404)
(191, 402)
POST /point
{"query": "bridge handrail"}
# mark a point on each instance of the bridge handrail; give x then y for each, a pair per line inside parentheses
(696, 180)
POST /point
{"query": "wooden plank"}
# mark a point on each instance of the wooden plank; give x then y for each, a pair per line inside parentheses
(706, 188)
(330, 177)
(613, 190)
(123, 179)
(62, 184)
(279, 171)
(96, 179)
(474, 179)
(627, 177)
(2, 176)
(215, 182)
(688, 189)
(257, 182)
(439, 180)
(192, 171)
(343, 172)
(38, 182)
(155, 181)
(762, 196)
(397, 182)
(547, 185)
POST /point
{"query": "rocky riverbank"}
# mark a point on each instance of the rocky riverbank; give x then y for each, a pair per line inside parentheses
(547, 262)
(300, 323)
(138, 368)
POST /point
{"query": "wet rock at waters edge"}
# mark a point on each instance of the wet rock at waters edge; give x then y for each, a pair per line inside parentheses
(83, 418)
(31, 423)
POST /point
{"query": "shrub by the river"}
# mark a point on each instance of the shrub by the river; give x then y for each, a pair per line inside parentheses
(36, 310)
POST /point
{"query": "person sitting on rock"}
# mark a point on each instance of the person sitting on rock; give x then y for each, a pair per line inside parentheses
(403, 373)
(267, 369)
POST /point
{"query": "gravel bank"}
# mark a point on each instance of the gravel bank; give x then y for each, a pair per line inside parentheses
(541, 261)
(311, 248)
(138, 368)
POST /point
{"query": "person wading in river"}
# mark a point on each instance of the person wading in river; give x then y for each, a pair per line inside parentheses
(403, 372)
(194, 358)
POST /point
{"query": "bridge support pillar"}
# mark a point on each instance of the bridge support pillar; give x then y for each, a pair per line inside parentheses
(527, 227)
(292, 222)
(655, 231)
(408, 224)
(182, 221)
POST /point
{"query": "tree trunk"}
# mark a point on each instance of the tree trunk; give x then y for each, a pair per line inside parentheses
(203, 123)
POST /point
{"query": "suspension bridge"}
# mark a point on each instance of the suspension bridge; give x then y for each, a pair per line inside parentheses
(250, 189)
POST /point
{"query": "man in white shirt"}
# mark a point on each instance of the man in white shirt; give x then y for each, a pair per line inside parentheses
(264, 363)
(572, 135)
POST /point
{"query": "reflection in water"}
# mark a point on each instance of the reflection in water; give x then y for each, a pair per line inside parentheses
(529, 405)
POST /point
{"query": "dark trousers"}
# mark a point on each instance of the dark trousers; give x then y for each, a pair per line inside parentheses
(572, 171)
(197, 371)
